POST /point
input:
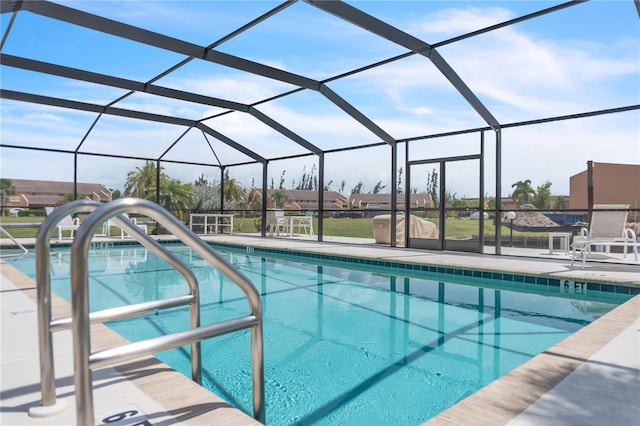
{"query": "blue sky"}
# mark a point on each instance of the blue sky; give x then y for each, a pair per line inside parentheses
(580, 59)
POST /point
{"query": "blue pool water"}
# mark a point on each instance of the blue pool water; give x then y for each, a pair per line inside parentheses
(345, 343)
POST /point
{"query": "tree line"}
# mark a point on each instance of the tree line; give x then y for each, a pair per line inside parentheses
(541, 197)
(202, 195)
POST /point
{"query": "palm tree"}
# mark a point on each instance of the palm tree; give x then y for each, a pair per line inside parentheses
(522, 192)
(175, 196)
(6, 188)
(379, 187)
(233, 192)
(357, 189)
(140, 180)
(253, 201)
(279, 198)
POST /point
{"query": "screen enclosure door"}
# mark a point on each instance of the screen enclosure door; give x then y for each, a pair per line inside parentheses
(456, 187)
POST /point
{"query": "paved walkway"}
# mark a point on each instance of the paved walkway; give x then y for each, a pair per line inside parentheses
(603, 390)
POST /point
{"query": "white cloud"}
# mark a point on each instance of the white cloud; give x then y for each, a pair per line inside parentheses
(238, 87)
(451, 21)
(422, 110)
(327, 127)
(517, 75)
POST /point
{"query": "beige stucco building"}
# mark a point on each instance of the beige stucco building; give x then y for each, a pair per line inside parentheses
(611, 184)
(34, 194)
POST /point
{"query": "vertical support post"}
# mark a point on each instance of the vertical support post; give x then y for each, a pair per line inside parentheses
(481, 229)
(498, 214)
(221, 207)
(407, 196)
(320, 197)
(75, 176)
(263, 226)
(394, 192)
(158, 180)
(443, 202)
(590, 188)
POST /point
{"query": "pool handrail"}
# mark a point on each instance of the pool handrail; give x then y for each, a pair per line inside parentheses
(16, 242)
(47, 326)
(85, 361)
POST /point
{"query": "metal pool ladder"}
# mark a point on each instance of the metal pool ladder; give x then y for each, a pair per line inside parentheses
(81, 319)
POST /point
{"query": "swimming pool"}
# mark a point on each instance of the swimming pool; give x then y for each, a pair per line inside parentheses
(348, 343)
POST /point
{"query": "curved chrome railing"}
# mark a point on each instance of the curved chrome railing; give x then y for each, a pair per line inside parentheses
(85, 361)
(47, 326)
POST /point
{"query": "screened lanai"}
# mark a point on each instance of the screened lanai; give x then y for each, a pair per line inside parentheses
(224, 106)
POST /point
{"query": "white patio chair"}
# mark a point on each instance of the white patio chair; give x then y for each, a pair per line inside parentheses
(607, 228)
(303, 225)
(276, 222)
(123, 233)
(67, 224)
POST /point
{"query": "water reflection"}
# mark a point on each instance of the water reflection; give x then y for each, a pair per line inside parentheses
(594, 309)
(151, 278)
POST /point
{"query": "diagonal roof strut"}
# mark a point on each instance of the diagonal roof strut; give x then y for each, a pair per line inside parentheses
(107, 80)
(119, 29)
(121, 112)
(393, 34)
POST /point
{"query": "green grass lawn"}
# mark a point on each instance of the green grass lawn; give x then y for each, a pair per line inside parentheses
(20, 232)
(31, 232)
(338, 227)
(363, 228)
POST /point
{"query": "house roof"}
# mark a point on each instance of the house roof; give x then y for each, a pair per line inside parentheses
(381, 199)
(314, 206)
(627, 168)
(25, 186)
(302, 195)
(48, 193)
(42, 200)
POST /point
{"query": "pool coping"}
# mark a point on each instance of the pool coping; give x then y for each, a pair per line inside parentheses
(176, 398)
(515, 279)
(502, 400)
(526, 381)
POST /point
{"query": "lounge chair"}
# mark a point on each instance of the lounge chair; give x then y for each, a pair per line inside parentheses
(67, 224)
(123, 233)
(607, 228)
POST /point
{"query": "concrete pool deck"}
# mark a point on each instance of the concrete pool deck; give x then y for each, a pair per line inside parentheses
(592, 377)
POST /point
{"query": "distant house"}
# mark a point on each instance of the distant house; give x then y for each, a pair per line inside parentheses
(506, 203)
(612, 184)
(383, 201)
(35, 194)
(304, 199)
